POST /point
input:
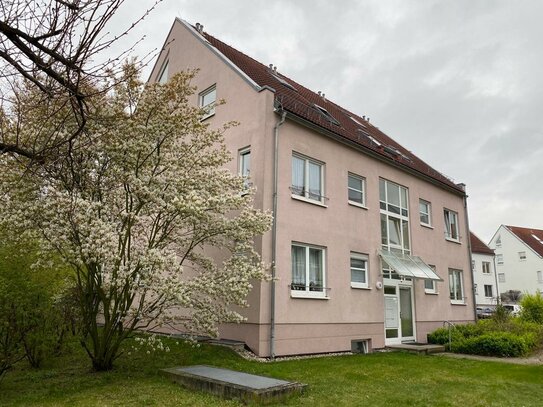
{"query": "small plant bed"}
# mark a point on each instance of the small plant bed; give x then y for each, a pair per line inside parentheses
(502, 336)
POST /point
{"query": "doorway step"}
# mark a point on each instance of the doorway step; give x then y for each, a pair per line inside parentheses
(419, 348)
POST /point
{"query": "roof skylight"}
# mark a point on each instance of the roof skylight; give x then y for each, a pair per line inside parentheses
(326, 115)
(284, 82)
(357, 121)
(537, 238)
(373, 140)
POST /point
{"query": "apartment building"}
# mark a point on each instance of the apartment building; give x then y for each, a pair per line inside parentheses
(519, 258)
(370, 245)
(484, 273)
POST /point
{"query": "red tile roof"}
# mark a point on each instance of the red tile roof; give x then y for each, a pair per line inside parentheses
(301, 102)
(532, 237)
(477, 245)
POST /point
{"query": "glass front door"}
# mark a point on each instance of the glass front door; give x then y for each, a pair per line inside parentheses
(399, 314)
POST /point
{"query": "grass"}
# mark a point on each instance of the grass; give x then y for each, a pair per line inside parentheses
(381, 379)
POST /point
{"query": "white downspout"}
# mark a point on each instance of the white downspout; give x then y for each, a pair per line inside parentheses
(274, 231)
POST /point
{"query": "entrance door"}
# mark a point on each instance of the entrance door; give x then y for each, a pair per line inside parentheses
(399, 314)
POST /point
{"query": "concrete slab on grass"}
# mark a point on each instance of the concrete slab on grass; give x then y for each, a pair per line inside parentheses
(232, 384)
(418, 348)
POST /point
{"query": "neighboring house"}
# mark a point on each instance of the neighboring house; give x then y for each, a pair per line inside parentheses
(519, 258)
(484, 273)
(370, 245)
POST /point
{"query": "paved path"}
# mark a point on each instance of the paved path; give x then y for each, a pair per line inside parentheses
(532, 360)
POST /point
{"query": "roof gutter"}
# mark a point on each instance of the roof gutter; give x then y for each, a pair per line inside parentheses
(274, 230)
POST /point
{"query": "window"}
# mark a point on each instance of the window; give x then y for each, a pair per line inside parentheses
(430, 286)
(501, 277)
(307, 271)
(522, 256)
(499, 241)
(540, 276)
(473, 265)
(357, 187)
(163, 75)
(207, 101)
(499, 258)
(394, 216)
(537, 238)
(486, 267)
(245, 166)
(359, 270)
(326, 115)
(425, 213)
(451, 225)
(456, 289)
(394, 204)
(488, 291)
(307, 178)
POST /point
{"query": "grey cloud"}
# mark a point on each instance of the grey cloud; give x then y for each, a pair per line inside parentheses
(459, 83)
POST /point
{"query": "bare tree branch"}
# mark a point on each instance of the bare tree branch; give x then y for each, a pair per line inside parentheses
(55, 45)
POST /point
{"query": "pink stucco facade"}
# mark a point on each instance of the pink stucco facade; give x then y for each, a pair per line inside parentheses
(344, 314)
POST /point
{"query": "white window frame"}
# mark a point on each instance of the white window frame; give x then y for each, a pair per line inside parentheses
(428, 213)
(499, 259)
(209, 108)
(473, 265)
(364, 257)
(491, 290)
(244, 152)
(486, 267)
(499, 241)
(540, 276)
(403, 216)
(433, 289)
(453, 286)
(522, 256)
(362, 191)
(305, 194)
(448, 232)
(307, 292)
(501, 277)
(163, 75)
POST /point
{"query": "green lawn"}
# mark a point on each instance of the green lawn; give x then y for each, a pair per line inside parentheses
(381, 379)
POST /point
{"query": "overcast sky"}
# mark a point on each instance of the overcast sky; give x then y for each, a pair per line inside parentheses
(460, 83)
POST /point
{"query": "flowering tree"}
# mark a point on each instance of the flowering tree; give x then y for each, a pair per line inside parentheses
(135, 205)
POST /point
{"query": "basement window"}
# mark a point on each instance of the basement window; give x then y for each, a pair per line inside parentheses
(326, 114)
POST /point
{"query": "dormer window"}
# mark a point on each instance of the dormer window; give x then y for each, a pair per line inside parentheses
(326, 114)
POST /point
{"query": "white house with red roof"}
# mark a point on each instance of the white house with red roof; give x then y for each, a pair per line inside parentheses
(484, 273)
(370, 245)
(519, 258)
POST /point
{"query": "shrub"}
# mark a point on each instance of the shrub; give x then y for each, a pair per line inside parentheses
(495, 344)
(501, 314)
(491, 337)
(11, 350)
(31, 321)
(532, 308)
